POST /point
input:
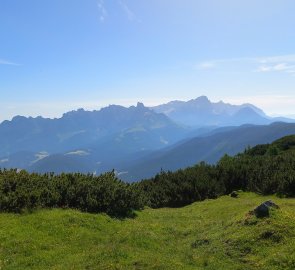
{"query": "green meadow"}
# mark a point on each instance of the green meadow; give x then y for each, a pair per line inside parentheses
(213, 234)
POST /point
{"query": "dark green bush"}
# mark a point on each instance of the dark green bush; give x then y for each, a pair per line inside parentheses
(104, 193)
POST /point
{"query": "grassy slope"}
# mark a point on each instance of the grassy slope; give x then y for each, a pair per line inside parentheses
(215, 234)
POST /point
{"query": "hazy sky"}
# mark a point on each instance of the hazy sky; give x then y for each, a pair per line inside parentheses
(58, 55)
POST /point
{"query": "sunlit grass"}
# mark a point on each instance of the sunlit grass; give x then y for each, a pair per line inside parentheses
(214, 234)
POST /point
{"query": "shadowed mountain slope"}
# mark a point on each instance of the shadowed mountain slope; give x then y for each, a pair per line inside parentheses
(209, 149)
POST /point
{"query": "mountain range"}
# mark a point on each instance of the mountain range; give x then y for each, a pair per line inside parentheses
(137, 141)
(202, 112)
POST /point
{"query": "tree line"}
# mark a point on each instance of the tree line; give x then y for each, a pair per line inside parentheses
(265, 169)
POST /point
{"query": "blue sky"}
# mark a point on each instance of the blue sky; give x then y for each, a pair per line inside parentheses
(58, 55)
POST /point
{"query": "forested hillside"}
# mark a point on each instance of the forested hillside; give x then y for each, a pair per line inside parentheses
(265, 169)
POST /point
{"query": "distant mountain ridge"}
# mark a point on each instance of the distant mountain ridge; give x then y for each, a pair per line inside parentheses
(116, 136)
(201, 111)
(112, 133)
(79, 128)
